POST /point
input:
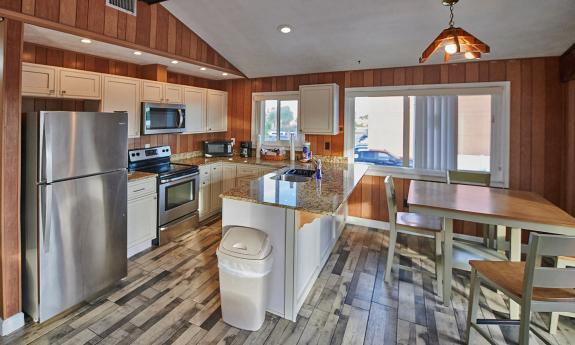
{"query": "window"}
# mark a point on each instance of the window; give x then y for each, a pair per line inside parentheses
(275, 118)
(428, 130)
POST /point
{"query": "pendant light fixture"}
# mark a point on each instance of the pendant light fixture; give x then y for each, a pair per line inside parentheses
(455, 42)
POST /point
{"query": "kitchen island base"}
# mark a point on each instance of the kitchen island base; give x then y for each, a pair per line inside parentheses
(302, 243)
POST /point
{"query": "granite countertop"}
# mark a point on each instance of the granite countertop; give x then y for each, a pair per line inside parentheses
(139, 175)
(234, 159)
(323, 196)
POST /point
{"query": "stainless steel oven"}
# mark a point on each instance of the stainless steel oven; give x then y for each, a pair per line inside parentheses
(178, 196)
(160, 118)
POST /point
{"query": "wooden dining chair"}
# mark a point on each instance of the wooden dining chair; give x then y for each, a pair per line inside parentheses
(534, 288)
(412, 224)
(561, 262)
(475, 178)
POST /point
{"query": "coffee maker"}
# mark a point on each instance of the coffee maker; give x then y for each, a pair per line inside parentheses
(246, 149)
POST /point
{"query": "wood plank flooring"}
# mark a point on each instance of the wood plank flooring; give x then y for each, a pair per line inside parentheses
(171, 296)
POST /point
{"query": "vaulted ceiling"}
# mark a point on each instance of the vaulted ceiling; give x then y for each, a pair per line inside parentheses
(331, 35)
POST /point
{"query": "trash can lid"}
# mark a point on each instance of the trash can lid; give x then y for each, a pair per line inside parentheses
(245, 243)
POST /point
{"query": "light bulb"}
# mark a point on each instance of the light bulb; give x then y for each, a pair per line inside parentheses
(451, 48)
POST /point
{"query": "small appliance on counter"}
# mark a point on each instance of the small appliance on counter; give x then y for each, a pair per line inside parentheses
(178, 190)
(246, 149)
(220, 148)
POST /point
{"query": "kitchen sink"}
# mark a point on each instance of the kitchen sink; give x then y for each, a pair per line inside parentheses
(300, 172)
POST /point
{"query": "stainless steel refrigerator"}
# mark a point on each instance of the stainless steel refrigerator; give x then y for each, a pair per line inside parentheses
(73, 209)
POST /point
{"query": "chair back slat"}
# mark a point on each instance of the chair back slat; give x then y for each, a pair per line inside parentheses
(476, 178)
(391, 203)
(548, 277)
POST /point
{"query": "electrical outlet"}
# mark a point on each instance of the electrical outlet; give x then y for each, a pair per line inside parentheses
(146, 146)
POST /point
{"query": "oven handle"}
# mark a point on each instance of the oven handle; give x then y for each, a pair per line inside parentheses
(180, 178)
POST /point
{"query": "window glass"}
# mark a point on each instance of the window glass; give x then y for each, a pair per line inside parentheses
(474, 133)
(288, 119)
(379, 130)
(270, 120)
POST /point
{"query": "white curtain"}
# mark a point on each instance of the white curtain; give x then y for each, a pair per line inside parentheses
(435, 132)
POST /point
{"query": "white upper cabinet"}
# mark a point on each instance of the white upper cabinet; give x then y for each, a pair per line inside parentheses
(173, 94)
(38, 80)
(195, 101)
(123, 94)
(152, 91)
(217, 105)
(319, 109)
(80, 84)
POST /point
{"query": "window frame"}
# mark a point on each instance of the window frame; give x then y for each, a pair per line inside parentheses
(500, 130)
(257, 117)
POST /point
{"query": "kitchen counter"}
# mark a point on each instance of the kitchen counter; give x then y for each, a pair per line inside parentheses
(323, 196)
(234, 159)
(139, 175)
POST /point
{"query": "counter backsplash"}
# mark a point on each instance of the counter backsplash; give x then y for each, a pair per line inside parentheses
(195, 154)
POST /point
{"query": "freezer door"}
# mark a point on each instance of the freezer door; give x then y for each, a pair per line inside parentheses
(82, 240)
(74, 144)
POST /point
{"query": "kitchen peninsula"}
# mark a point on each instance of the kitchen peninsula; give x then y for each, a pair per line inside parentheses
(303, 220)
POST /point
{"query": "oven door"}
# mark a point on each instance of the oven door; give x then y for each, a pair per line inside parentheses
(163, 118)
(178, 197)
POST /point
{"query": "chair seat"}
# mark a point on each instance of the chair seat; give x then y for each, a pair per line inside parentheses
(418, 221)
(509, 276)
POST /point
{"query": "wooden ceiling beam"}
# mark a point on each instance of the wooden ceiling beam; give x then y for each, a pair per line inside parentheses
(567, 64)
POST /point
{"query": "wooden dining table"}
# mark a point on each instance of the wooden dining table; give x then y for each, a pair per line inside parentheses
(504, 208)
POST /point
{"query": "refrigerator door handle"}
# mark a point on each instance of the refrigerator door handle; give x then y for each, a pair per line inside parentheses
(46, 198)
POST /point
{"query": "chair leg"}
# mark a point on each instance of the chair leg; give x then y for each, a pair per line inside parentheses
(390, 252)
(473, 305)
(553, 323)
(439, 263)
(525, 323)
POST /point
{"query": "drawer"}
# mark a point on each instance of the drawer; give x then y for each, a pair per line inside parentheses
(141, 188)
(247, 171)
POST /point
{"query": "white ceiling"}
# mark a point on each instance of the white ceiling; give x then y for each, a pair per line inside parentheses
(57, 39)
(332, 35)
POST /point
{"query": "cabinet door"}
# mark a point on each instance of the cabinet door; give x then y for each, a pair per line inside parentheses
(216, 187)
(38, 80)
(318, 109)
(228, 177)
(173, 94)
(80, 84)
(217, 119)
(204, 203)
(152, 91)
(142, 219)
(195, 101)
(123, 94)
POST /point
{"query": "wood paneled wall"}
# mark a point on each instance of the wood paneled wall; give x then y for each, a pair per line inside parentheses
(153, 30)
(537, 118)
(569, 92)
(63, 58)
(10, 81)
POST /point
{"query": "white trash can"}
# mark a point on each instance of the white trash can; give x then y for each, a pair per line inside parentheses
(244, 261)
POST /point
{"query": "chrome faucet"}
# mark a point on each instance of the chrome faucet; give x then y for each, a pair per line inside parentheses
(317, 163)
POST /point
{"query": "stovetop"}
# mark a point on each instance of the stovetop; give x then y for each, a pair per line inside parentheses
(157, 160)
(168, 169)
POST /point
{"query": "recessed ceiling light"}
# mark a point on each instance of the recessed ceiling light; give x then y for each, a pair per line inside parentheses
(284, 29)
(224, 74)
(85, 40)
(137, 53)
(175, 61)
(202, 69)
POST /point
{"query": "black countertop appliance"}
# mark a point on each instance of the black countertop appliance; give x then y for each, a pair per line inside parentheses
(246, 149)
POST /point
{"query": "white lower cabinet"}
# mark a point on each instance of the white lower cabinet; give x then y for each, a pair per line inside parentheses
(216, 187)
(228, 176)
(142, 215)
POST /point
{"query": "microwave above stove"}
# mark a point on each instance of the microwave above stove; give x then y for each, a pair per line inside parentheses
(158, 118)
(218, 149)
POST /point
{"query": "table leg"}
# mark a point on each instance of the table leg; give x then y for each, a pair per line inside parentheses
(447, 259)
(515, 255)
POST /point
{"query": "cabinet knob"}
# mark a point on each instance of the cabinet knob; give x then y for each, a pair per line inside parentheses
(63, 91)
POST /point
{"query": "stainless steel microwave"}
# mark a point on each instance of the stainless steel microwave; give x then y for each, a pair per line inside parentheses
(218, 149)
(160, 118)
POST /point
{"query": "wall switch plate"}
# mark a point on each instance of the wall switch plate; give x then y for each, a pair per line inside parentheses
(146, 146)
(327, 145)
